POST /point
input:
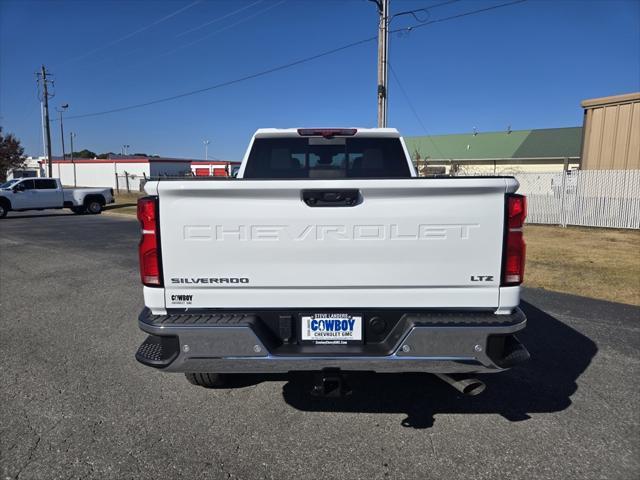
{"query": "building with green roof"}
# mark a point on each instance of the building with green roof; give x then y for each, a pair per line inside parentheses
(509, 151)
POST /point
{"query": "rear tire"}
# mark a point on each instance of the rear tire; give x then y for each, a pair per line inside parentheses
(3, 210)
(206, 380)
(94, 207)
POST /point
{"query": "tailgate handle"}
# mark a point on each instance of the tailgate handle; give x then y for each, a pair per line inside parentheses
(332, 198)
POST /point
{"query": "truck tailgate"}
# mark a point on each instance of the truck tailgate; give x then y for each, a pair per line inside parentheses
(406, 243)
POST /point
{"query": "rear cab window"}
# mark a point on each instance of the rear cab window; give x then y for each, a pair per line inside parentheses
(46, 184)
(319, 157)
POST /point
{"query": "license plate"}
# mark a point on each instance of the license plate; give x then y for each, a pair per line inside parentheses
(331, 328)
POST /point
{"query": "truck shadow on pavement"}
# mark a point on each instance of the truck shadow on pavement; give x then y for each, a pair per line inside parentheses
(20, 216)
(559, 355)
(116, 206)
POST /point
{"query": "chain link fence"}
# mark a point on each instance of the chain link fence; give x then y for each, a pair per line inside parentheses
(129, 182)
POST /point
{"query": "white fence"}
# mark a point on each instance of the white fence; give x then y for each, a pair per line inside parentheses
(594, 198)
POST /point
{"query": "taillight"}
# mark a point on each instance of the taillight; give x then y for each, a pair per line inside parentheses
(327, 132)
(515, 248)
(148, 249)
(516, 210)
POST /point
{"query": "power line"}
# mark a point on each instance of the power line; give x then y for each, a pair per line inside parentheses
(227, 83)
(129, 35)
(453, 17)
(216, 20)
(234, 24)
(222, 29)
(287, 65)
(384, 20)
(425, 10)
(415, 112)
(211, 22)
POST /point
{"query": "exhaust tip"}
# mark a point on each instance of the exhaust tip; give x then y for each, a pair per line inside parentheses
(467, 386)
(473, 388)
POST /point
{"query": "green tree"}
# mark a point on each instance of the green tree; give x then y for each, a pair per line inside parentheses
(11, 154)
(84, 154)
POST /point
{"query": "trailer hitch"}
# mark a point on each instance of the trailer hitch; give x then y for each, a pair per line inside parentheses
(331, 383)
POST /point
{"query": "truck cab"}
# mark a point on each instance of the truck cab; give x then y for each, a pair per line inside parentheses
(22, 194)
(32, 193)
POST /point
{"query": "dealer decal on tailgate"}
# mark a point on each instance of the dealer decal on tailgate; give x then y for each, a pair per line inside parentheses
(181, 299)
(331, 328)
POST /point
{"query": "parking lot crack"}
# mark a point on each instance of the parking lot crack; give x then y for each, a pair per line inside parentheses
(29, 458)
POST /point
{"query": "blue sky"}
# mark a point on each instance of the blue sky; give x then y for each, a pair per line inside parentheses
(528, 65)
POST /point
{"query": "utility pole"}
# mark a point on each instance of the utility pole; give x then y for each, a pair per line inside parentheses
(383, 66)
(206, 149)
(62, 109)
(45, 102)
(44, 141)
(71, 135)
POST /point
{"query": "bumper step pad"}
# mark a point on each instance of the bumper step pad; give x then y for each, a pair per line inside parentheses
(158, 351)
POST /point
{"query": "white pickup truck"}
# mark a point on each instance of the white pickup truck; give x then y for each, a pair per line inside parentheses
(21, 194)
(326, 254)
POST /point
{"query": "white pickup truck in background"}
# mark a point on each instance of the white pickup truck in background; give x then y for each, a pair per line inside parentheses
(326, 254)
(22, 194)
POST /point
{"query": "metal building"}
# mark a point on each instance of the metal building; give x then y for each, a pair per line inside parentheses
(490, 153)
(611, 133)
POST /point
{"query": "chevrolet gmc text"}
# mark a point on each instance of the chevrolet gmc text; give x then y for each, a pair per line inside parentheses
(326, 254)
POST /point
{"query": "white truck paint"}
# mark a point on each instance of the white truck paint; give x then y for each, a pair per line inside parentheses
(410, 243)
(47, 193)
(307, 234)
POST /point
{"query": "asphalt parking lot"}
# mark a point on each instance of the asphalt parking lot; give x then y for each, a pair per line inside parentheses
(76, 404)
